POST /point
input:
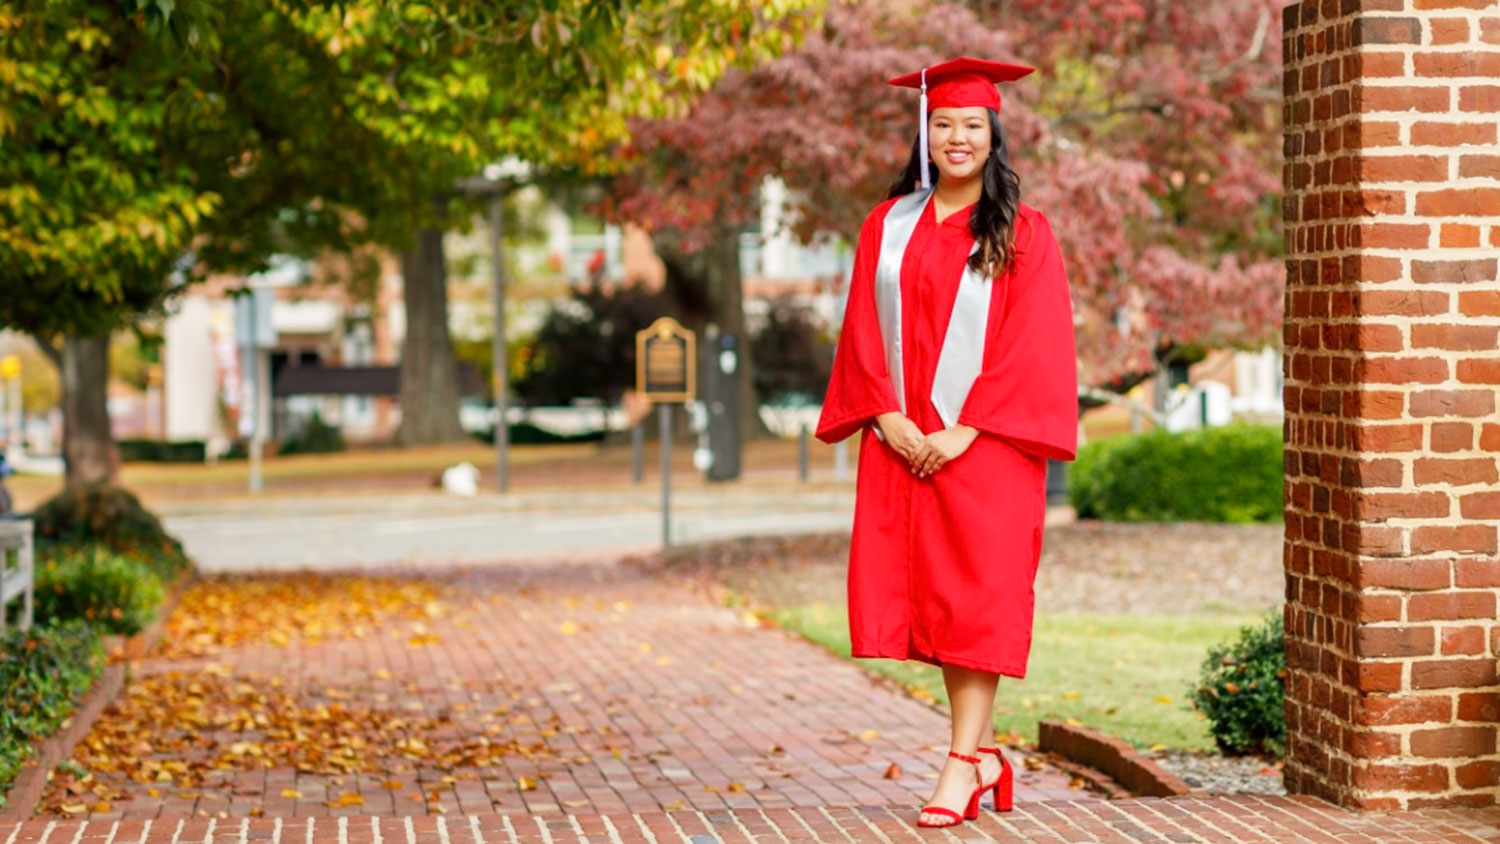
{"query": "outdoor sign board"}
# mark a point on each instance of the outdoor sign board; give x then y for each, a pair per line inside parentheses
(664, 358)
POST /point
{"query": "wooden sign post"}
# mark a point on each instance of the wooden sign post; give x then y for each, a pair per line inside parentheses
(664, 374)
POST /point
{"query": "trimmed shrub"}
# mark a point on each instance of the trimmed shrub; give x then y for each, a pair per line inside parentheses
(525, 433)
(1240, 690)
(93, 583)
(1084, 475)
(318, 437)
(162, 451)
(1231, 473)
(43, 674)
(101, 514)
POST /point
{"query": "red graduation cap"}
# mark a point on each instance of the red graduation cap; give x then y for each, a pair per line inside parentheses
(958, 83)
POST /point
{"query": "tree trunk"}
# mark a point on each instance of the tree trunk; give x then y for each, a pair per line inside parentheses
(429, 376)
(727, 297)
(89, 451)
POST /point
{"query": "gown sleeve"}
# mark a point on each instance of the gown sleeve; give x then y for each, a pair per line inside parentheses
(1027, 390)
(859, 388)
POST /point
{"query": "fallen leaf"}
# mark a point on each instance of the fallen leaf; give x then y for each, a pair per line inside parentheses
(526, 783)
(893, 772)
(567, 628)
(348, 798)
(291, 792)
(1164, 699)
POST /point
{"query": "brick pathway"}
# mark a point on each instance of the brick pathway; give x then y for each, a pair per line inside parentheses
(644, 713)
(1178, 820)
(581, 688)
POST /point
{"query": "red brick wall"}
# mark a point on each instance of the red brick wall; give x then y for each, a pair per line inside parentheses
(1392, 322)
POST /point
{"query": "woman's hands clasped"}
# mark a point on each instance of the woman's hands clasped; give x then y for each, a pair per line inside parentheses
(925, 453)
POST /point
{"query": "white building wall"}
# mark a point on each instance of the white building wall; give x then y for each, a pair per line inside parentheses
(188, 368)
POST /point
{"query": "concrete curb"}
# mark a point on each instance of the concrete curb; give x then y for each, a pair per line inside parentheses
(1128, 766)
(31, 781)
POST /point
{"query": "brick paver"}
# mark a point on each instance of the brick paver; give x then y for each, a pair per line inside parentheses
(576, 688)
(643, 712)
(1178, 820)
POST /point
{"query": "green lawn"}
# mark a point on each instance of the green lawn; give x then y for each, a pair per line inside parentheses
(1128, 675)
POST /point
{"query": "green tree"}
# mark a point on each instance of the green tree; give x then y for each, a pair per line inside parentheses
(445, 88)
(141, 147)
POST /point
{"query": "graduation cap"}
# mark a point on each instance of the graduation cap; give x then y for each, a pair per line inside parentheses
(958, 83)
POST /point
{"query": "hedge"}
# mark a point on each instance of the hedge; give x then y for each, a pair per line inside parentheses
(43, 674)
(1231, 473)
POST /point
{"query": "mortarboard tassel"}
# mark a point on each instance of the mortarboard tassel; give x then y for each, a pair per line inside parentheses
(922, 132)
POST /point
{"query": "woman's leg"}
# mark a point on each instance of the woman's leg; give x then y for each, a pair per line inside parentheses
(971, 698)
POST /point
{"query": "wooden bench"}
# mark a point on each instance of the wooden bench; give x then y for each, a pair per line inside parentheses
(16, 570)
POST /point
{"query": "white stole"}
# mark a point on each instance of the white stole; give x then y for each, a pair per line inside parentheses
(962, 355)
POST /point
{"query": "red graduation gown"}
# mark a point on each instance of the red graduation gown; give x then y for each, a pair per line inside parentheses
(941, 569)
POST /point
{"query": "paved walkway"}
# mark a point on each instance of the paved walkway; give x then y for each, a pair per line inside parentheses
(398, 530)
(585, 703)
(1178, 820)
(566, 688)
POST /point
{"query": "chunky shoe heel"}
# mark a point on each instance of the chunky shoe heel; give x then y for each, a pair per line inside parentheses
(971, 810)
(1003, 788)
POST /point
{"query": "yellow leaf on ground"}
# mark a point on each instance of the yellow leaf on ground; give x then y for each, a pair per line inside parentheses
(348, 798)
(1166, 699)
(526, 783)
(392, 785)
(1155, 747)
(74, 808)
(869, 735)
(567, 628)
(291, 792)
(1072, 722)
(1073, 695)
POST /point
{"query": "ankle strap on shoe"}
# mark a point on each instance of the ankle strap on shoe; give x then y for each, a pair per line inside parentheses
(956, 755)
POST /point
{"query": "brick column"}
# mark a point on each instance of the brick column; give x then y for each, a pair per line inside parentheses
(1392, 320)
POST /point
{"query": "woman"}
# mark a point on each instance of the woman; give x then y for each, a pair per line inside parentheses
(956, 362)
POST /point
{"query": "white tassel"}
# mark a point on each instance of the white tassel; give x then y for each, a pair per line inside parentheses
(922, 133)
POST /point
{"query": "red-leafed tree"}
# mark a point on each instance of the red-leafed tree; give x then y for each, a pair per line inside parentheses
(1149, 136)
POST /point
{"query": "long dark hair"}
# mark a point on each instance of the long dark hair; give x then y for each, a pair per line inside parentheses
(993, 222)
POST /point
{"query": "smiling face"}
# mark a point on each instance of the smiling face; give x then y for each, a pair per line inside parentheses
(960, 141)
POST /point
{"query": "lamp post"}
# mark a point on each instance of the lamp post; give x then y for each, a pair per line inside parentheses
(497, 181)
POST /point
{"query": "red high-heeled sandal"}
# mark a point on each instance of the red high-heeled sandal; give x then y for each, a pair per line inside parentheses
(1003, 787)
(971, 811)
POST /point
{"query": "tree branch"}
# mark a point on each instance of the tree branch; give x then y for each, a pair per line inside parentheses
(1096, 394)
(1087, 116)
(52, 351)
